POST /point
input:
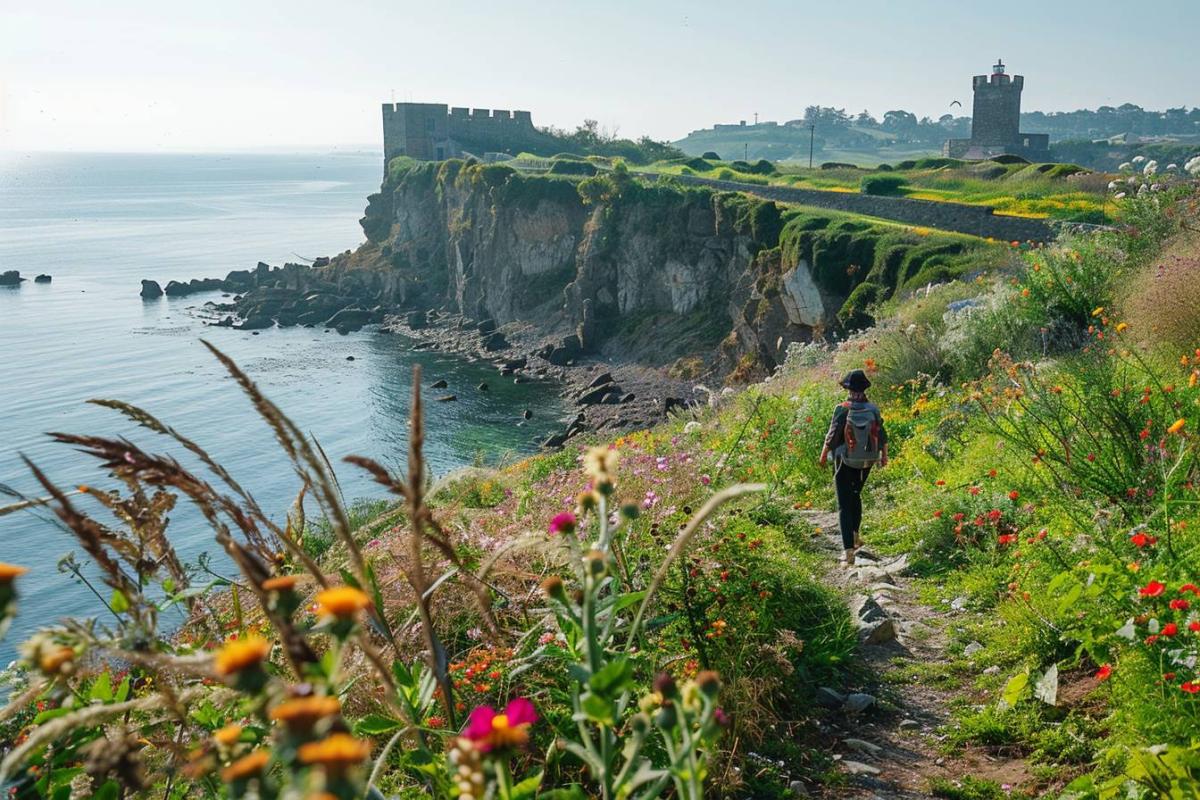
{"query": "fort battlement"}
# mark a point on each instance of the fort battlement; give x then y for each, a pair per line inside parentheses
(434, 131)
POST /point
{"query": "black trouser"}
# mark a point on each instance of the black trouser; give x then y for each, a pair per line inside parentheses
(849, 482)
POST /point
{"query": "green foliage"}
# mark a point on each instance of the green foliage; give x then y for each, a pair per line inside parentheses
(885, 185)
(569, 167)
(967, 788)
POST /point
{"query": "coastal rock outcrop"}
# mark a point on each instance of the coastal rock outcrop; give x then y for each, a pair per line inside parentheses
(151, 290)
(10, 278)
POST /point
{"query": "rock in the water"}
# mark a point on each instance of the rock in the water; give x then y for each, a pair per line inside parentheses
(527, 414)
(830, 698)
(151, 290)
(349, 358)
(176, 289)
(439, 384)
(859, 702)
(43, 278)
(483, 387)
(449, 398)
(555, 440)
(11, 278)
(255, 323)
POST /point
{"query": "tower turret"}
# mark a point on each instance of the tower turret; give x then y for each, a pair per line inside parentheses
(996, 115)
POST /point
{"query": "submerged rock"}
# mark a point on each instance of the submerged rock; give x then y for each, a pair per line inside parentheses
(43, 278)
(10, 278)
(151, 290)
(439, 384)
(448, 398)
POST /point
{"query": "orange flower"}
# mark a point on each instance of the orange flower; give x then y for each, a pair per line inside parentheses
(281, 583)
(246, 767)
(1177, 425)
(10, 571)
(304, 712)
(336, 752)
(342, 602)
(241, 654)
(228, 736)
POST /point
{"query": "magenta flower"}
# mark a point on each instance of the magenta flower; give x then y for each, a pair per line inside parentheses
(490, 731)
(563, 522)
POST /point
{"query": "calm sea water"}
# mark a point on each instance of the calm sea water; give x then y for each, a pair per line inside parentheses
(99, 224)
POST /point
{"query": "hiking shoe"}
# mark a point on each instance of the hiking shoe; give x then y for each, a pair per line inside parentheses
(850, 557)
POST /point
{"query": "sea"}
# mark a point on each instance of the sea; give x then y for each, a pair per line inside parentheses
(100, 223)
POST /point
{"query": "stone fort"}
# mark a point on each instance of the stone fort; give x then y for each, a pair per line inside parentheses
(996, 121)
(434, 131)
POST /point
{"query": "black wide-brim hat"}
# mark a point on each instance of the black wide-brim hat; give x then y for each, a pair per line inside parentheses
(856, 381)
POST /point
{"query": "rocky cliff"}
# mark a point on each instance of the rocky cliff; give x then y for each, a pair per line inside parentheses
(662, 273)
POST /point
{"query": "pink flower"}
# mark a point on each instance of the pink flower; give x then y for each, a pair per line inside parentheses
(490, 730)
(704, 479)
(563, 522)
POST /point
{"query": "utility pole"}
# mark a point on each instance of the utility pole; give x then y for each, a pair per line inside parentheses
(746, 151)
(756, 118)
(812, 133)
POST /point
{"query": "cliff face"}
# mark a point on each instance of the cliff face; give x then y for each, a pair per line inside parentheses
(661, 274)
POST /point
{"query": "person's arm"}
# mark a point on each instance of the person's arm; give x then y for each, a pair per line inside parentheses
(883, 443)
(831, 435)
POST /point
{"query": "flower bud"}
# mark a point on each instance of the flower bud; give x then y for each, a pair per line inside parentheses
(594, 561)
(666, 718)
(639, 723)
(709, 683)
(664, 684)
(554, 589)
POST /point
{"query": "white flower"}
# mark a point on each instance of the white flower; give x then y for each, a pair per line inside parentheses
(1138, 159)
(1171, 168)
(1150, 168)
(1156, 187)
(1112, 186)
(1125, 166)
(1119, 196)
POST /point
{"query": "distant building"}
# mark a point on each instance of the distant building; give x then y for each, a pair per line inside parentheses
(996, 122)
(433, 131)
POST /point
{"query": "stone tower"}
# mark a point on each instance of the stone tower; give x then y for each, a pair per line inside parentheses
(996, 115)
(996, 121)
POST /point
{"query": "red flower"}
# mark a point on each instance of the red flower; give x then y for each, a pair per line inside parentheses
(1152, 638)
(1190, 687)
(1190, 587)
(1170, 629)
(1180, 604)
(563, 523)
(1152, 589)
(1194, 627)
(937, 514)
(974, 490)
(1013, 495)
(991, 473)
(491, 731)
(1007, 538)
(1091, 456)
(994, 515)
(939, 482)
(958, 517)
(1104, 672)
(1140, 539)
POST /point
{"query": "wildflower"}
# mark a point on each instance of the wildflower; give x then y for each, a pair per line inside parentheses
(563, 523)
(281, 583)
(1151, 589)
(302, 713)
(1097, 311)
(59, 660)
(937, 514)
(1122, 327)
(1104, 672)
(1013, 495)
(489, 730)
(228, 736)
(343, 602)
(1177, 425)
(1194, 626)
(1141, 539)
(337, 752)
(973, 490)
(246, 767)
(1006, 538)
(10, 571)
(1179, 604)
(1170, 629)
(1190, 687)
(1190, 587)
(939, 482)
(241, 655)
(601, 463)
(708, 682)
(553, 588)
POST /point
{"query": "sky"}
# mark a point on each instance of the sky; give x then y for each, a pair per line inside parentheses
(228, 75)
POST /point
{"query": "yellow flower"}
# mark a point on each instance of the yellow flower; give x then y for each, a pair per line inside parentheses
(1177, 425)
(10, 571)
(241, 654)
(336, 752)
(1098, 311)
(246, 767)
(1193, 379)
(1122, 327)
(304, 712)
(342, 602)
(228, 736)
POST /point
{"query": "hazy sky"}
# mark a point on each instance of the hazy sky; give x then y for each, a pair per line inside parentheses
(231, 74)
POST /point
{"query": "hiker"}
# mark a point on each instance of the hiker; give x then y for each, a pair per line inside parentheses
(857, 441)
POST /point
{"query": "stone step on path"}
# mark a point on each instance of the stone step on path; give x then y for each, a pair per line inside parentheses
(891, 748)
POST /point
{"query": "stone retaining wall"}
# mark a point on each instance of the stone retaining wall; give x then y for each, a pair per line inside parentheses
(958, 217)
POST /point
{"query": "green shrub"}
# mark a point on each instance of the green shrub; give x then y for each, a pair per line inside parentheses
(837, 165)
(939, 163)
(886, 185)
(709, 155)
(698, 164)
(1009, 159)
(564, 167)
(855, 312)
(883, 168)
